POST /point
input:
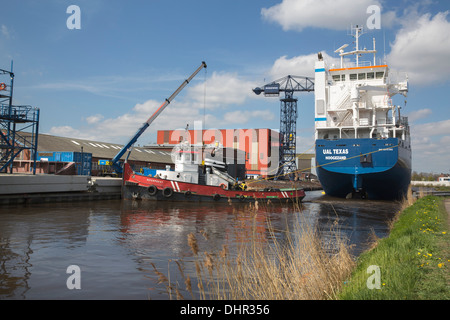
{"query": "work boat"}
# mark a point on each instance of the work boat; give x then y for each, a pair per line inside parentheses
(211, 180)
(363, 143)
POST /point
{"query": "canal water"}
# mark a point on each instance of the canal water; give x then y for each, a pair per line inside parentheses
(116, 244)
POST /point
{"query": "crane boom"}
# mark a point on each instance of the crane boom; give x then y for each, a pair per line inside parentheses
(286, 84)
(288, 116)
(145, 125)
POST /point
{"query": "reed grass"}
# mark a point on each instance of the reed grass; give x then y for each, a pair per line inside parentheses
(299, 265)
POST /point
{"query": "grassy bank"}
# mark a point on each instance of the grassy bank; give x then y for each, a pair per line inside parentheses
(413, 262)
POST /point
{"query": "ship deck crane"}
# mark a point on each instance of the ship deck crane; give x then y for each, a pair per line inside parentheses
(288, 116)
(115, 161)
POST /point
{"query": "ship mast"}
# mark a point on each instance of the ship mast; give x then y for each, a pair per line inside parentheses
(358, 31)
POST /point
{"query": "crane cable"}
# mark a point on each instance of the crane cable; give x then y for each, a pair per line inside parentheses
(204, 99)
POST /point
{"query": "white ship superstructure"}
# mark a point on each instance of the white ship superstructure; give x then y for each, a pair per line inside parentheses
(354, 100)
(362, 140)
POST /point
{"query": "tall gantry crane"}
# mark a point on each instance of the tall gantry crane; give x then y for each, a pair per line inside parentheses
(288, 116)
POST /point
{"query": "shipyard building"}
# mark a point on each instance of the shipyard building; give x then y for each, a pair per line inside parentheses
(256, 150)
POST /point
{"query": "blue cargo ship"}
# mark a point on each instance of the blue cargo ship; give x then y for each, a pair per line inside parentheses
(363, 145)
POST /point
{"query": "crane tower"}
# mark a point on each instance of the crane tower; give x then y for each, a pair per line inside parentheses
(288, 116)
(18, 126)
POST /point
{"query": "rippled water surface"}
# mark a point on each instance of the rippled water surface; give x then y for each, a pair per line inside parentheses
(115, 243)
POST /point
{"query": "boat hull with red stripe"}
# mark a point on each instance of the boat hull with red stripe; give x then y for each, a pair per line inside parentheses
(138, 186)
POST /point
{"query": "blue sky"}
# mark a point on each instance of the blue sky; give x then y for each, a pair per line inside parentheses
(104, 80)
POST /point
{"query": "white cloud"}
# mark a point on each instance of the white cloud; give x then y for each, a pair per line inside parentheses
(176, 116)
(432, 129)
(94, 119)
(68, 131)
(445, 140)
(328, 14)
(115, 86)
(148, 107)
(241, 117)
(419, 114)
(5, 31)
(221, 89)
(305, 143)
(431, 147)
(299, 65)
(422, 48)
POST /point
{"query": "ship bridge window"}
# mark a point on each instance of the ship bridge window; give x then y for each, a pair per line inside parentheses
(353, 76)
(361, 76)
(343, 77)
(380, 75)
(336, 78)
(370, 75)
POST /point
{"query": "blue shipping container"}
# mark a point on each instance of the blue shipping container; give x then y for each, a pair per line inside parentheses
(83, 160)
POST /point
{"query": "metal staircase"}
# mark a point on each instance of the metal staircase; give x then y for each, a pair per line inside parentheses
(19, 126)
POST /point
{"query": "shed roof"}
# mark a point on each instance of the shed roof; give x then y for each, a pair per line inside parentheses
(104, 150)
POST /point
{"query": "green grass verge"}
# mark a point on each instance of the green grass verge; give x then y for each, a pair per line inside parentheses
(413, 261)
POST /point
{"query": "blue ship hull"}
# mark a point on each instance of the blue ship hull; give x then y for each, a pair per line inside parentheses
(371, 168)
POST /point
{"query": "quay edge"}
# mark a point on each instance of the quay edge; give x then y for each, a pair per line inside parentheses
(25, 188)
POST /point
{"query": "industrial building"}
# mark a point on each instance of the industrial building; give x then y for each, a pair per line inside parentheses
(73, 156)
(261, 146)
(60, 155)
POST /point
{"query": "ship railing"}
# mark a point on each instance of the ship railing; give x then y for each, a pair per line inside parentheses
(18, 113)
(404, 121)
(361, 63)
(347, 121)
(386, 121)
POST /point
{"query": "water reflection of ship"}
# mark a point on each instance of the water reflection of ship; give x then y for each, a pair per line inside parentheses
(141, 218)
